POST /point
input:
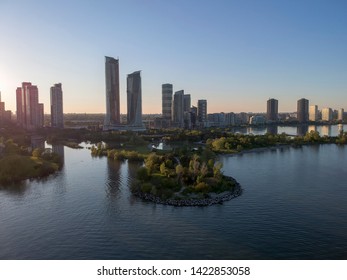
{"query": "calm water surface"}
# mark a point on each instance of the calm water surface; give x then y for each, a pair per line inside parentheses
(328, 130)
(294, 206)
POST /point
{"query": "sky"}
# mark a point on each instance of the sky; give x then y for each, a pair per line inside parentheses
(235, 53)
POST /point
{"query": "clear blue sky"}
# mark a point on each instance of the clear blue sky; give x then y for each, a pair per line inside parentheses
(235, 54)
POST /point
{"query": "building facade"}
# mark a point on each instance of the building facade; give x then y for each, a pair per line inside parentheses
(313, 113)
(272, 110)
(32, 107)
(327, 114)
(57, 115)
(178, 109)
(24, 94)
(302, 110)
(40, 115)
(202, 111)
(186, 103)
(134, 98)
(28, 110)
(340, 114)
(112, 91)
(19, 106)
(230, 119)
(166, 94)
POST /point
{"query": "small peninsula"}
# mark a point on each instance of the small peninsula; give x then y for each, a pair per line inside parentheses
(183, 177)
(18, 163)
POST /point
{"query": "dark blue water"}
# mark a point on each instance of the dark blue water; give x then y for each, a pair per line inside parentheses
(294, 206)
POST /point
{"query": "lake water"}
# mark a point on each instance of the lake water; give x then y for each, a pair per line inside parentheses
(328, 130)
(294, 206)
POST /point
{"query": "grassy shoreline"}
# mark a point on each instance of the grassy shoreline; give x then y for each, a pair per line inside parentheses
(16, 168)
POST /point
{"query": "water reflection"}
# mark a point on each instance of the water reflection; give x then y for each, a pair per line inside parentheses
(273, 129)
(325, 130)
(18, 189)
(59, 149)
(113, 182)
(256, 130)
(312, 128)
(301, 130)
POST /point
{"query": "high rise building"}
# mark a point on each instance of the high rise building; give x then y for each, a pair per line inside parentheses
(272, 110)
(2, 110)
(193, 116)
(313, 113)
(57, 116)
(28, 111)
(134, 96)
(32, 102)
(186, 103)
(302, 110)
(340, 114)
(327, 114)
(112, 91)
(177, 109)
(202, 110)
(40, 115)
(25, 86)
(167, 91)
(19, 106)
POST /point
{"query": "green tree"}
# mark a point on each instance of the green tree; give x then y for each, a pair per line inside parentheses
(143, 174)
(163, 169)
(217, 170)
(37, 152)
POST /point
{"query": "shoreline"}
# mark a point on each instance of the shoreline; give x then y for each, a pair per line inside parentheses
(258, 150)
(216, 199)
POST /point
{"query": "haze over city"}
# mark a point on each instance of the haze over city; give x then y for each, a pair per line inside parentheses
(235, 54)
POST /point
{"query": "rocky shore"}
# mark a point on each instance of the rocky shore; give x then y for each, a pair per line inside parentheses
(212, 198)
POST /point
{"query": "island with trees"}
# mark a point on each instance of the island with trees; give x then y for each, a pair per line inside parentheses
(183, 177)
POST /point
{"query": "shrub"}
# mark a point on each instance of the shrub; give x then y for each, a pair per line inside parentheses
(202, 187)
(143, 174)
(146, 187)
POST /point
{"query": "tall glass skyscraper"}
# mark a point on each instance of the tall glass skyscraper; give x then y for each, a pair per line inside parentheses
(112, 91)
(272, 109)
(57, 117)
(134, 95)
(302, 110)
(166, 90)
(178, 109)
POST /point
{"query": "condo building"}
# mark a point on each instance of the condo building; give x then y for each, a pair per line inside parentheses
(19, 106)
(202, 111)
(134, 98)
(340, 114)
(28, 109)
(327, 114)
(302, 110)
(186, 103)
(112, 91)
(272, 110)
(57, 116)
(178, 109)
(313, 113)
(167, 91)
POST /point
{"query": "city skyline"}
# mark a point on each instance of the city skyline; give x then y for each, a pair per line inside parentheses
(232, 54)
